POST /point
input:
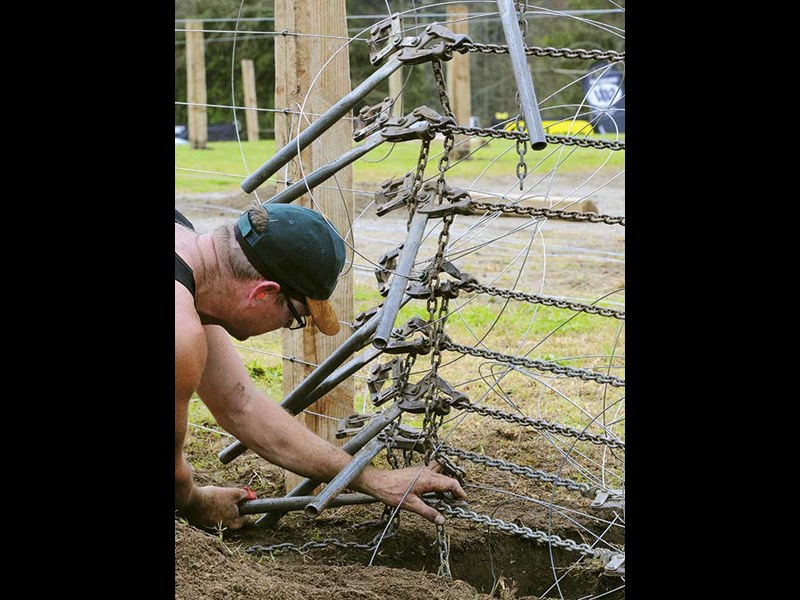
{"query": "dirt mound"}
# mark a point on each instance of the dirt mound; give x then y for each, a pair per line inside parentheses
(207, 568)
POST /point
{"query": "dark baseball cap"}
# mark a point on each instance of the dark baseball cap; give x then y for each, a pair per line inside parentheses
(301, 251)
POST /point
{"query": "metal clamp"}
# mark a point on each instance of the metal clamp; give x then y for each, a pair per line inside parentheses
(365, 316)
(609, 500)
(420, 124)
(394, 193)
(458, 203)
(613, 562)
(388, 263)
(351, 425)
(436, 42)
(370, 118)
(379, 375)
(447, 289)
(399, 343)
(411, 397)
(385, 37)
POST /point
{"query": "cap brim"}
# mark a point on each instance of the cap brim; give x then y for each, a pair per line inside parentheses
(324, 316)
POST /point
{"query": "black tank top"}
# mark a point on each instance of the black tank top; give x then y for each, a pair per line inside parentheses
(183, 272)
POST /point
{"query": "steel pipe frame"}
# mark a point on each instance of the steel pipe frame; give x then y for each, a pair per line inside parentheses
(284, 505)
(397, 290)
(320, 126)
(370, 430)
(522, 74)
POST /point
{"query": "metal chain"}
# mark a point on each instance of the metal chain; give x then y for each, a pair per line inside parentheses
(405, 373)
(541, 425)
(521, 146)
(535, 364)
(438, 307)
(566, 215)
(548, 51)
(441, 87)
(496, 463)
(422, 162)
(544, 300)
(444, 552)
(310, 546)
(566, 140)
(522, 531)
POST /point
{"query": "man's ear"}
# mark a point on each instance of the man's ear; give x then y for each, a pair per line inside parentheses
(263, 290)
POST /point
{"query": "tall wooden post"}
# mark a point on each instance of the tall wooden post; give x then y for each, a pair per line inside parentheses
(249, 83)
(196, 86)
(458, 83)
(396, 92)
(304, 78)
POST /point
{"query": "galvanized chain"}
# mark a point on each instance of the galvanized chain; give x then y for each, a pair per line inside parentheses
(566, 140)
(443, 545)
(302, 549)
(378, 538)
(548, 51)
(541, 365)
(513, 529)
(565, 215)
(584, 488)
(405, 373)
(543, 300)
(541, 425)
(441, 87)
(521, 147)
(521, 144)
(438, 306)
(422, 162)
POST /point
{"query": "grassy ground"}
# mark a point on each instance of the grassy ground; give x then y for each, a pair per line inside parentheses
(223, 165)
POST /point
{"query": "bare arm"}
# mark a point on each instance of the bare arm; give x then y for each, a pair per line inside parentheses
(266, 428)
(208, 505)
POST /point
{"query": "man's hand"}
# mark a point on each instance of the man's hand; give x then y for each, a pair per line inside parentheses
(212, 506)
(391, 486)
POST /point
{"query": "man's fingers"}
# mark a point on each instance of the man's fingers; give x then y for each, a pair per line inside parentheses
(455, 488)
(415, 504)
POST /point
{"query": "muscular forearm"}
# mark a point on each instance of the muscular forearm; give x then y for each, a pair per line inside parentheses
(275, 435)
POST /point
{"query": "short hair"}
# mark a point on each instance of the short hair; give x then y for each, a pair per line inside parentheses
(230, 254)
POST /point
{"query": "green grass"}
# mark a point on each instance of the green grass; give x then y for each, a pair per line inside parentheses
(221, 167)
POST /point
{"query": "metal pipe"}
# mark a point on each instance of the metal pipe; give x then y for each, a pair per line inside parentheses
(527, 96)
(369, 431)
(284, 505)
(298, 188)
(296, 400)
(398, 288)
(353, 469)
(342, 373)
(318, 127)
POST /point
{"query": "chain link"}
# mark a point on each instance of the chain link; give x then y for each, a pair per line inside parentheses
(522, 531)
(441, 87)
(566, 215)
(541, 365)
(443, 545)
(547, 51)
(419, 173)
(496, 463)
(543, 300)
(541, 425)
(302, 549)
(438, 307)
(566, 140)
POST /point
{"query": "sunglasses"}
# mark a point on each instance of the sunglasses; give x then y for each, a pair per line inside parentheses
(300, 322)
